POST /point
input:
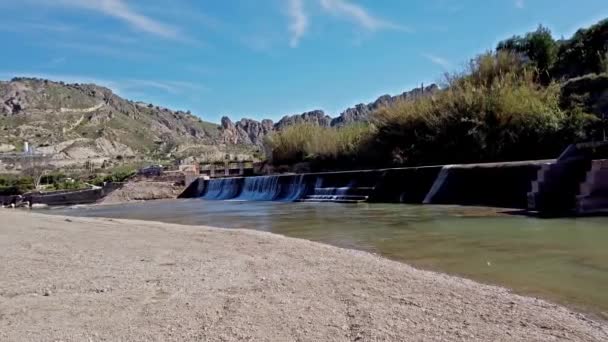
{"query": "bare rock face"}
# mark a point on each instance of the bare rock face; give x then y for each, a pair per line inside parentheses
(246, 131)
(255, 131)
(315, 117)
(362, 112)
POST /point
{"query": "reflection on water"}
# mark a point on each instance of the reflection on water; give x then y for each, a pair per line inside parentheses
(565, 260)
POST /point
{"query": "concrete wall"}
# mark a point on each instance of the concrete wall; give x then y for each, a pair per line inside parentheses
(498, 184)
(71, 197)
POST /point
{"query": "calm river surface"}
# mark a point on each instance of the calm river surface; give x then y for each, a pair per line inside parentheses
(564, 260)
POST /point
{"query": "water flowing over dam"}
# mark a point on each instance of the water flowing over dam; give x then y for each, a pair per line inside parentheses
(576, 182)
(503, 185)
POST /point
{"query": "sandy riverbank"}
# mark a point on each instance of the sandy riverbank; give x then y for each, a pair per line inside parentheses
(143, 191)
(81, 279)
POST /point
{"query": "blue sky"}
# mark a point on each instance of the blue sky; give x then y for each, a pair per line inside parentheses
(265, 58)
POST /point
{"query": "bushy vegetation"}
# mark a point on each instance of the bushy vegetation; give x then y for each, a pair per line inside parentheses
(307, 142)
(19, 184)
(14, 185)
(519, 102)
(586, 52)
(588, 92)
(116, 175)
(497, 111)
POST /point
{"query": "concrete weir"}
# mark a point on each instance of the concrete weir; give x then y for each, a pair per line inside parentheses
(496, 184)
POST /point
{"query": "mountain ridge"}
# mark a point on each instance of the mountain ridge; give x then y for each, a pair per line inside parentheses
(79, 123)
(244, 130)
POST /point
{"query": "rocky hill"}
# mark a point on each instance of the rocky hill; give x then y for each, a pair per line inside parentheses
(77, 123)
(252, 132)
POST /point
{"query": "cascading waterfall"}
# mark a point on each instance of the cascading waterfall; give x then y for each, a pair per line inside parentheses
(335, 187)
(332, 193)
(293, 190)
(264, 188)
(350, 193)
(498, 184)
(288, 188)
(223, 188)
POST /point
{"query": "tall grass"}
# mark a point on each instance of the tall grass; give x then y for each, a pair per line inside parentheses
(304, 142)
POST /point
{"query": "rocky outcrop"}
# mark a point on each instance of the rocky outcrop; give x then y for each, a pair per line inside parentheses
(245, 131)
(362, 112)
(315, 117)
(248, 131)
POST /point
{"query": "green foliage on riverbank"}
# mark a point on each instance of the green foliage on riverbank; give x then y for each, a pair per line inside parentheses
(116, 175)
(19, 184)
(15, 185)
(515, 103)
(310, 142)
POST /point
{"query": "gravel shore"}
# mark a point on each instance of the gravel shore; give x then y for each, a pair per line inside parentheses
(90, 279)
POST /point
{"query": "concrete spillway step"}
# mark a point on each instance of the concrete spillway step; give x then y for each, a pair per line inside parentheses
(557, 185)
(593, 195)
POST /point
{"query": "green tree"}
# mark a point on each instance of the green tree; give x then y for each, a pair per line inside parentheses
(538, 47)
(584, 53)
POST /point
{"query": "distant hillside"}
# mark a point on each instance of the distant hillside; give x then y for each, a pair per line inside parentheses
(86, 122)
(79, 122)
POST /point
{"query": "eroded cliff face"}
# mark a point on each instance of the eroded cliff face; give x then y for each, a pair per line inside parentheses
(245, 131)
(248, 131)
(315, 117)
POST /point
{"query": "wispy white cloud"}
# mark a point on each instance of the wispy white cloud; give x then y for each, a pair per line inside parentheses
(120, 10)
(520, 4)
(442, 62)
(298, 21)
(359, 15)
(170, 87)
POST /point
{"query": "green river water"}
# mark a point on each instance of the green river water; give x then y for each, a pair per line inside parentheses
(563, 260)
